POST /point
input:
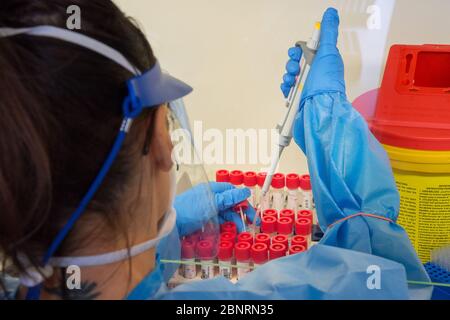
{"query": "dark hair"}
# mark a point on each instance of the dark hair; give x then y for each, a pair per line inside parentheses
(60, 110)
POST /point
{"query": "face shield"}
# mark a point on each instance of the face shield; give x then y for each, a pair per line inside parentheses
(197, 212)
(145, 90)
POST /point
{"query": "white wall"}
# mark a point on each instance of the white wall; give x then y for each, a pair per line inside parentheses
(233, 52)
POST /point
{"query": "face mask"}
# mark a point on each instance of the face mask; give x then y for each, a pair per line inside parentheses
(32, 277)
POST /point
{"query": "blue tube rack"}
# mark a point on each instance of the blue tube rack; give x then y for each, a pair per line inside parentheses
(438, 275)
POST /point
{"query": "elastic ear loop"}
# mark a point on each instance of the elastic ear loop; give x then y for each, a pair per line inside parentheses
(34, 292)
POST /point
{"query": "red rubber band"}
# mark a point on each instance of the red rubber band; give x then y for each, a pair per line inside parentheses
(360, 214)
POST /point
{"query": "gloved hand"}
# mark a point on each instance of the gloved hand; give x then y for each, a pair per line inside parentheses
(194, 209)
(327, 71)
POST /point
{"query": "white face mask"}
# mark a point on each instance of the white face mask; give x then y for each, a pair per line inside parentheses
(32, 277)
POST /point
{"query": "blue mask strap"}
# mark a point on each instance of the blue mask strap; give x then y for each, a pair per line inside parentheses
(34, 292)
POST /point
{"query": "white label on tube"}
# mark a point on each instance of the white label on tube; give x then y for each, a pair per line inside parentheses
(278, 200)
(242, 269)
(307, 200)
(265, 202)
(252, 198)
(292, 200)
(189, 271)
(207, 269)
(225, 271)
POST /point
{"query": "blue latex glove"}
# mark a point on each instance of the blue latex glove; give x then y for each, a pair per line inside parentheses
(327, 71)
(194, 209)
(292, 70)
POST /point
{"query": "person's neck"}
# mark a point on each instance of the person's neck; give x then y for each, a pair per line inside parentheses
(93, 236)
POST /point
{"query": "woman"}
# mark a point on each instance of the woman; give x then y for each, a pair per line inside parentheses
(62, 204)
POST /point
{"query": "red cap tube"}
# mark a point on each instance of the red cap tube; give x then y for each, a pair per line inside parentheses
(281, 238)
(287, 213)
(260, 178)
(300, 240)
(242, 251)
(236, 177)
(296, 249)
(228, 236)
(285, 225)
(187, 249)
(305, 182)
(228, 226)
(268, 224)
(245, 237)
(222, 176)
(270, 212)
(262, 238)
(225, 250)
(250, 179)
(277, 250)
(303, 226)
(194, 237)
(278, 181)
(260, 253)
(205, 249)
(306, 214)
(210, 237)
(292, 181)
(242, 205)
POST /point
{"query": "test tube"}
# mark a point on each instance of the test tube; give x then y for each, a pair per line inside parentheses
(307, 196)
(212, 237)
(224, 257)
(289, 213)
(299, 240)
(281, 238)
(269, 225)
(270, 212)
(306, 214)
(250, 182)
(277, 250)
(303, 227)
(245, 237)
(264, 200)
(292, 185)
(188, 268)
(260, 254)
(194, 237)
(222, 176)
(236, 178)
(205, 255)
(285, 226)
(262, 238)
(228, 226)
(228, 236)
(240, 208)
(242, 255)
(294, 249)
(278, 184)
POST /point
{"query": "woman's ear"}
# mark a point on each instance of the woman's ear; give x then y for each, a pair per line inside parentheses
(161, 145)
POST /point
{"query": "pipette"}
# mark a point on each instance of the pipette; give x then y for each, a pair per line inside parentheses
(309, 49)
